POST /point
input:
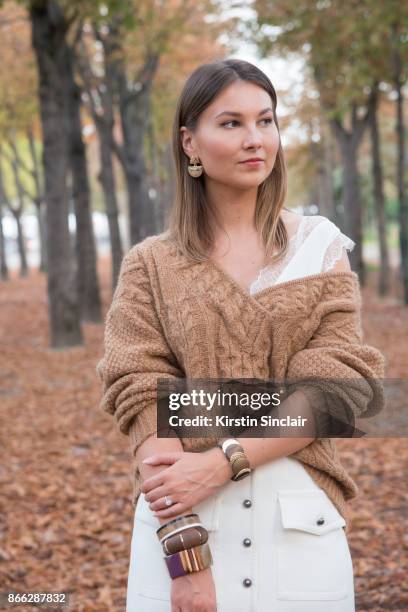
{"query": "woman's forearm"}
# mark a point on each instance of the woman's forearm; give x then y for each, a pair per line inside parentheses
(151, 446)
(261, 450)
(204, 475)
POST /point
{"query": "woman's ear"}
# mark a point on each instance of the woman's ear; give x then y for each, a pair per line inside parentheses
(186, 141)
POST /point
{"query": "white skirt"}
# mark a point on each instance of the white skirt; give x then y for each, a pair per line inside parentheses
(276, 527)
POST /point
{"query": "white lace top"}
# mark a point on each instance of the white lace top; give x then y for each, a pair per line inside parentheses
(315, 247)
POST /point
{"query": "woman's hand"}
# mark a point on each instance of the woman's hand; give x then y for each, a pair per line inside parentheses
(191, 478)
(194, 592)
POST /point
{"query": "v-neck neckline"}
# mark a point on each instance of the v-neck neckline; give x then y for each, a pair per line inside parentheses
(255, 297)
(246, 292)
(210, 266)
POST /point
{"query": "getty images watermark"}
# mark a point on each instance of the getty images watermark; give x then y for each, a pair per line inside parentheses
(206, 401)
(322, 407)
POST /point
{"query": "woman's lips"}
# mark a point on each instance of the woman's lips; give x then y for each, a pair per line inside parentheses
(252, 162)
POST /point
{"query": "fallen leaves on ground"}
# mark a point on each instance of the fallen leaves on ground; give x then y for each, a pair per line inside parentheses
(65, 509)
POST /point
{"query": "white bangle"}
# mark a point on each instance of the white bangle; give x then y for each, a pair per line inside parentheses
(182, 528)
(228, 443)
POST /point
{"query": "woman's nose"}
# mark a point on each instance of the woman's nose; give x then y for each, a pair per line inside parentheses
(253, 138)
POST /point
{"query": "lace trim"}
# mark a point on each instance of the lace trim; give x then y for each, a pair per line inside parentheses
(335, 251)
(268, 275)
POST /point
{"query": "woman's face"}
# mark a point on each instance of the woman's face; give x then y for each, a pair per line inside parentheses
(238, 125)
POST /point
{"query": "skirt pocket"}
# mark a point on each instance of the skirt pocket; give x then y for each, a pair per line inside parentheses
(313, 557)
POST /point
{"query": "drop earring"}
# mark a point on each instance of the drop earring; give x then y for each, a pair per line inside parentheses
(195, 169)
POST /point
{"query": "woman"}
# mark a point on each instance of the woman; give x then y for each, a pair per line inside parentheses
(238, 287)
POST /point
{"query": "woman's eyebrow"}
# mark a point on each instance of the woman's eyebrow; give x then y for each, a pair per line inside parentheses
(235, 114)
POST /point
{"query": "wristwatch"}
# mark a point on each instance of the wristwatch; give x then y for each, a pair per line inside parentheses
(235, 454)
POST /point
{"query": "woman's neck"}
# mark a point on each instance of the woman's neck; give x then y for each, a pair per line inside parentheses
(233, 210)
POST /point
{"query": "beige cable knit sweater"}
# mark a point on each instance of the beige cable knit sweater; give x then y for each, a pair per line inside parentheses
(171, 317)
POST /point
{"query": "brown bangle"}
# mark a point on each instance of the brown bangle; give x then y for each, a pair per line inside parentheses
(238, 460)
(189, 538)
(233, 448)
(188, 561)
(180, 521)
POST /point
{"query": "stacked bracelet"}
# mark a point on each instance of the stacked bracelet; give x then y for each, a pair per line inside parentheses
(175, 525)
(184, 541)
(189, 561)
(235, 454)
(188, 538)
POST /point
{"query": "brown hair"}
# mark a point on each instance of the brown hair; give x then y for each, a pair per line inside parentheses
(189, 222)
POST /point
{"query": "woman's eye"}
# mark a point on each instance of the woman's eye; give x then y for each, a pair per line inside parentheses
(269, 120)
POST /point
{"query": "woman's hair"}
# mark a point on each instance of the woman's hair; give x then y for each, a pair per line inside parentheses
(189, 222)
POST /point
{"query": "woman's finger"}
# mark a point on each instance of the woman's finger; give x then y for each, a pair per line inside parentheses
(154, 481)
(160, 504)
(157, 493)
(165, 458)
(172, 511)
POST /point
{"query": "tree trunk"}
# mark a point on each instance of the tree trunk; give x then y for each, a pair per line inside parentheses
(42, 236)
(17, 213)
(102, 112)
(379, 201)
(134, 108)
(3, 259)
(351, 199)
(3, 200)
(88, 286)
(167, 185)
(107, 179)
(352, 205)
(349, 142)
(400, 134)
(38, 201)
(20, 243)
(49, 29)
(153, 179)
(326, 175)
(320, 187)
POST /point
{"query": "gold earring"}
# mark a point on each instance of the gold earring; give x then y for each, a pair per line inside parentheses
(195, 169)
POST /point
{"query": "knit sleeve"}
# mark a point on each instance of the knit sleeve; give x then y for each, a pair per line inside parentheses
(338, 372)
(136, 353)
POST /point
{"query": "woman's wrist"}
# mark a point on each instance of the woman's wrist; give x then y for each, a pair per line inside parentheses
(185, 544)
(221, 466)
(164, 520)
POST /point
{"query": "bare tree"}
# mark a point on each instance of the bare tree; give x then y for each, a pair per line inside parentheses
(3, 200)
(100, 100)
(398, 78)
(49, 31)
(38, 199)
(379, 200)
(87, 280)
(16, 209)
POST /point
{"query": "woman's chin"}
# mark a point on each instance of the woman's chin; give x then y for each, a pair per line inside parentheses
(248, 182)
(251, 181)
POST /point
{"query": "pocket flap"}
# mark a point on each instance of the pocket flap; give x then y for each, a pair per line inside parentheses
(309, 510)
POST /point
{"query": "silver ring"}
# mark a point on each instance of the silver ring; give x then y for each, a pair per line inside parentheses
(168, 501)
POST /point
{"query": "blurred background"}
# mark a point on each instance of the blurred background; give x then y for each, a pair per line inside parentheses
(87, 97)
